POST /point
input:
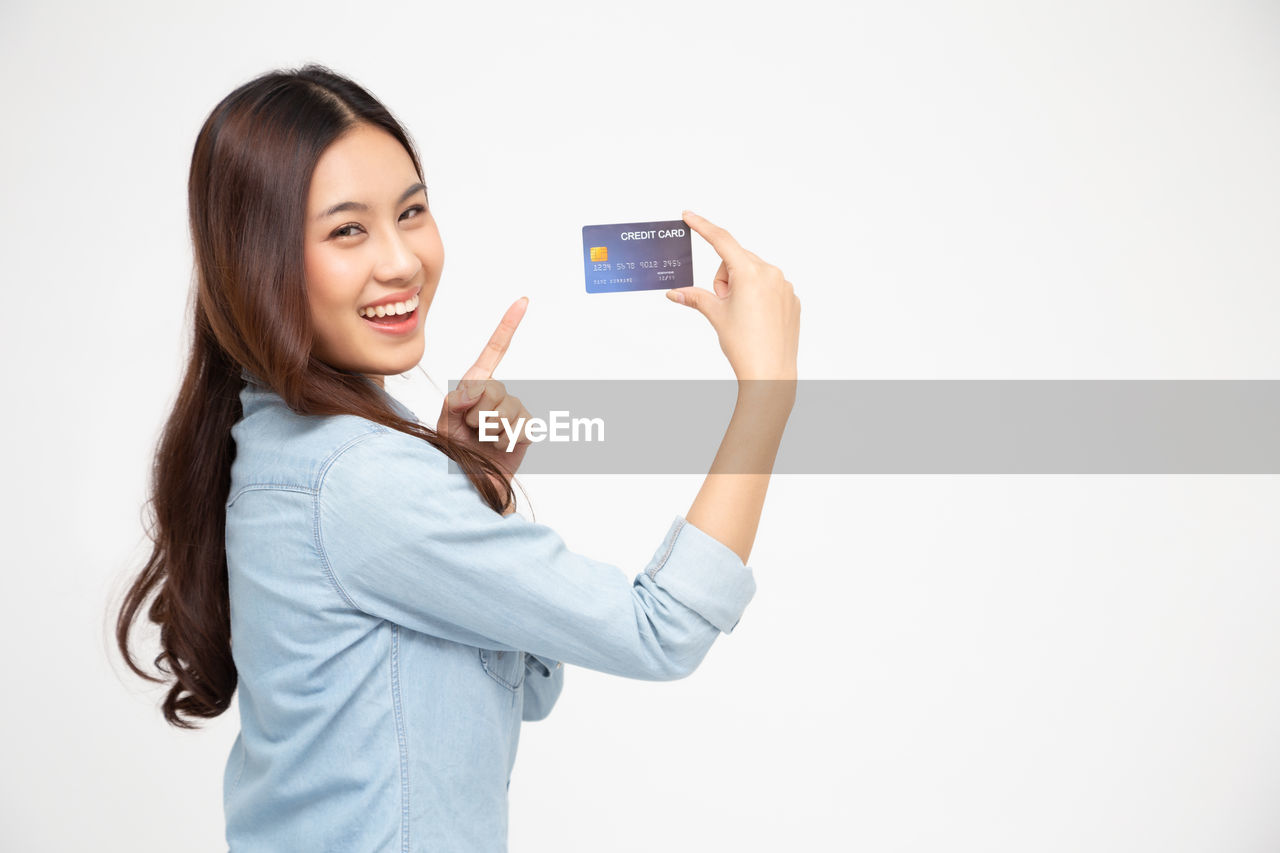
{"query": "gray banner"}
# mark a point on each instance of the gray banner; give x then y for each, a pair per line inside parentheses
(911, 426)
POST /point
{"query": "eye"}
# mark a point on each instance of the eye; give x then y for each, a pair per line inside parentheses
(417, 210)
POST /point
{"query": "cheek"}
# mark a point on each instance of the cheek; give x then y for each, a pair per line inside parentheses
(428, 247)
(330, 298)
(324, 307)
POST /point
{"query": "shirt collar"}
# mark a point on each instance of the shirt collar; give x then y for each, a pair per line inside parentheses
(400, 408)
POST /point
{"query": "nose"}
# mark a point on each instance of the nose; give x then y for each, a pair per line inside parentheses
(397, 260)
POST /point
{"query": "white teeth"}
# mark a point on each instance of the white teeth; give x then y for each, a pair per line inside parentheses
(384, 310)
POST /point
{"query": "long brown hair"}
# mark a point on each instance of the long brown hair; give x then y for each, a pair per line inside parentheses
(247, 193)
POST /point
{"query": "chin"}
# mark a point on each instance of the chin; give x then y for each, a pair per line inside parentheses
(387, 368)
(400, 359)
(409, 362)
(399, 369)
(368, 367)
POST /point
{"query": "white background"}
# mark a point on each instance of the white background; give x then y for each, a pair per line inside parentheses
(982, 190)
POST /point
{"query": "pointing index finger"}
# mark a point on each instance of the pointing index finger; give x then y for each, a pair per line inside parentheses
(721, 240)
(498, 342)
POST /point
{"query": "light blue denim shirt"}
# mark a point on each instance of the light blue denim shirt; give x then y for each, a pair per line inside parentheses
(391, 632)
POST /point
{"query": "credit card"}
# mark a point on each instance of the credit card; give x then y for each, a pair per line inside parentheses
(637, 256)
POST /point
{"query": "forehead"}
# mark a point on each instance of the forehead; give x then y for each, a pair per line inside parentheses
(365, 164)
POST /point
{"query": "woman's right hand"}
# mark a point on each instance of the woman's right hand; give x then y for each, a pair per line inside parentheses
(753, 309)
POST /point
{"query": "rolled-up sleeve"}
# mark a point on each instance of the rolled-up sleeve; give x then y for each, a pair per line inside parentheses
(404, 539)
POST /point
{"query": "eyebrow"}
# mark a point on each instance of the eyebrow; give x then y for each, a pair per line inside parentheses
(355, 205)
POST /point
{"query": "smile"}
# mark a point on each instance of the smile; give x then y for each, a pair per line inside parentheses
(391, 310)
(398, 318)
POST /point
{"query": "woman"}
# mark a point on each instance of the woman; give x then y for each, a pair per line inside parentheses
(390, 624)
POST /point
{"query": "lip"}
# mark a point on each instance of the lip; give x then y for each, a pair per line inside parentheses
(392, 299)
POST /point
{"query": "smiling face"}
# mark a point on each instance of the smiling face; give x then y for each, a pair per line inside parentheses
(380, 251)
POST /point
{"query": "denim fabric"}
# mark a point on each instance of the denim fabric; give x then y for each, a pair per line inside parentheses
(391, 633)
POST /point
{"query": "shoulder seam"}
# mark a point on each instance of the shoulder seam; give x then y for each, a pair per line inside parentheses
(259, 485)
(315, 503)
(274, 487)
(373, 429)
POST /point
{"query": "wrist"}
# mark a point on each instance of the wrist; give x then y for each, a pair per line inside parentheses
(772, 392)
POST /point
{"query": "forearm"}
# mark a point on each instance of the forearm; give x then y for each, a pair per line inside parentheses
(728, 505)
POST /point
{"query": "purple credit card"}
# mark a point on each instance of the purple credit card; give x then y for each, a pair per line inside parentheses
(637, 256)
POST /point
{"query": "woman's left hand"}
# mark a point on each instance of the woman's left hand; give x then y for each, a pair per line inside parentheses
(478, 392)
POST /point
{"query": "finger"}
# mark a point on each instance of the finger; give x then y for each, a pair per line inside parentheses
(720, 285)
(470, 393)
(508, 412)
(466, 395)
(453, 414)
(494, 399)
(721, 282)
(498, 342)
(721, 240)
(524, 431)
(704, 301)
(522, 437)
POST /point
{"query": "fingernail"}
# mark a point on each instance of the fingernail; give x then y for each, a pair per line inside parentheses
(676, 296)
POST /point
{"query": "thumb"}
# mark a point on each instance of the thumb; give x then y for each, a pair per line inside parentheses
(704, 301)
(465, 395)
(455, 403)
